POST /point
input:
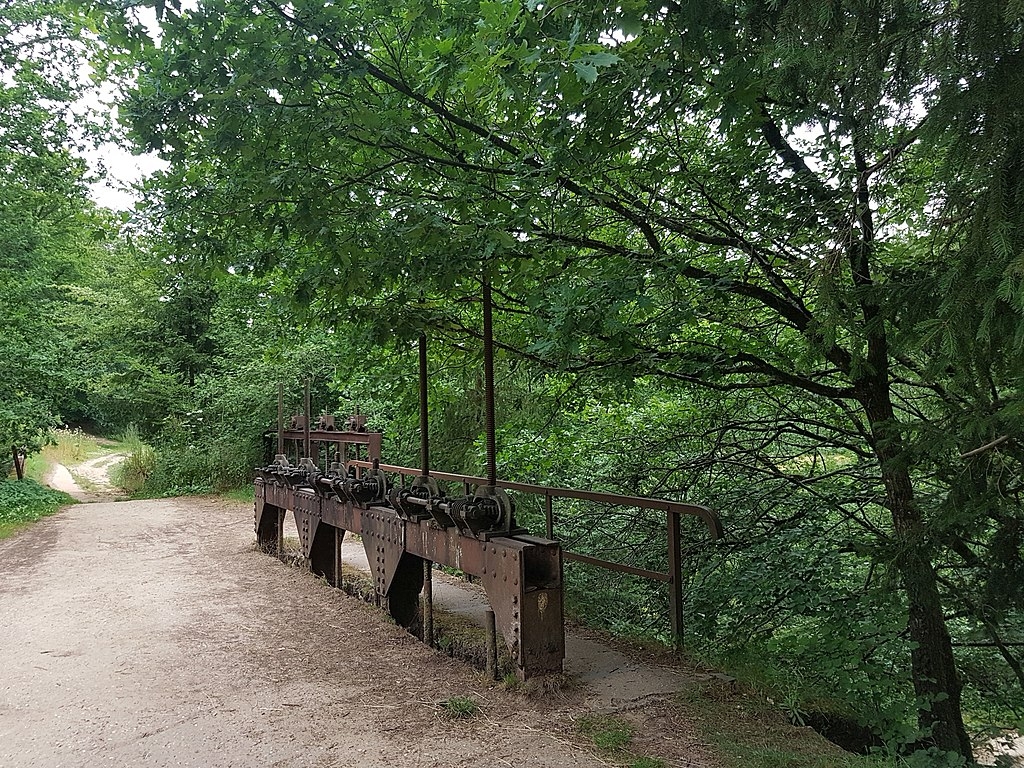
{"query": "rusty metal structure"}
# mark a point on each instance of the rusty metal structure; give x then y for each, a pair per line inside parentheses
(333, 482)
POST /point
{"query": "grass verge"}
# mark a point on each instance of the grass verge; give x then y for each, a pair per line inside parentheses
(245, 493)
(747, 732)
(25, 501)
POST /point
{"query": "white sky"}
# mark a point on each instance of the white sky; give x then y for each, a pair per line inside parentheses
(121, 171)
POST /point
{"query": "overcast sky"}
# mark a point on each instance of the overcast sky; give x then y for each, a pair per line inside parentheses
(123, 170)
(120, 169)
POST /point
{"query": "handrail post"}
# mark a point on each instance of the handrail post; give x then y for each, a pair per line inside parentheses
(675, 582)
(549, 517)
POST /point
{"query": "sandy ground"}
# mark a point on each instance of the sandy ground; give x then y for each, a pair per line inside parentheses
(152, 633)
(95, 473)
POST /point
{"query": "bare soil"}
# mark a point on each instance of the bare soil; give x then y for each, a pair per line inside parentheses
(88, 481)
(153, 633)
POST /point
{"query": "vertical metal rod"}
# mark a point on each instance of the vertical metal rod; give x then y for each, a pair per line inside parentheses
(549, 517)
(492, 645)
(280, 417)
(305, 440)
(675, 584)
(492, 462)
(428, 603)
(339, 539)
(280, 533)
(424, 420)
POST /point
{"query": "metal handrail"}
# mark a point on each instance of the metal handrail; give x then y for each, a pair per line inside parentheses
(673, 510)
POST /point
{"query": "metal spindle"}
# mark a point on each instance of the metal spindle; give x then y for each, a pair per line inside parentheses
(305, 436)
(280, 417)
(492, 461)
(424, 421)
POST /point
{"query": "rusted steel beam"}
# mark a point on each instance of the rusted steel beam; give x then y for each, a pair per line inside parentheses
(521, 575)
(672, 509)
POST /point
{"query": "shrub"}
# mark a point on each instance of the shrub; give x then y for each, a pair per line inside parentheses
(25, 501)
(134, 471)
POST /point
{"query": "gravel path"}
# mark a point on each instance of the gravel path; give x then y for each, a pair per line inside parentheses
(151, 633)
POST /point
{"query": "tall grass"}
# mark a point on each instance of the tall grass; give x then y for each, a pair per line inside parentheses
(68, 447)
(135, 469)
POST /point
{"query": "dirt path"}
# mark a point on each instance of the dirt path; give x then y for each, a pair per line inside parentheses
(95, 473)
(151, 633)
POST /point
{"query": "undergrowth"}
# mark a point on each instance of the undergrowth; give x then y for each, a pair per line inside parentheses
(132, 473)
(747, 731)
(25, 501)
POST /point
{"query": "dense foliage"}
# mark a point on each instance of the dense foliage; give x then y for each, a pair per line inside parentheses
(25, 502)
(760, 255)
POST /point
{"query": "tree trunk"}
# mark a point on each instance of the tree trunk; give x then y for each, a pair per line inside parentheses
(933, 666)
(19, 462)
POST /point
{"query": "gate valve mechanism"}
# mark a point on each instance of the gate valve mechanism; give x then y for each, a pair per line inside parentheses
(272, 472)
(308, 474)
(488, 512)
(365, 491)
(283, 472)
(420, 502)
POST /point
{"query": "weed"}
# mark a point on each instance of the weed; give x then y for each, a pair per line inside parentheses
(459, 707)
(609, 734)
(511, 682)
(132, 473)
(790, 705)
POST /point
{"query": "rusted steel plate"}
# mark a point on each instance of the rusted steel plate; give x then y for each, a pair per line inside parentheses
(383, 534)
(306, 508)
(522, 575)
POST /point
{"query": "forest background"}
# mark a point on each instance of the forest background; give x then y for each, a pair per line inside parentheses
(764, 256)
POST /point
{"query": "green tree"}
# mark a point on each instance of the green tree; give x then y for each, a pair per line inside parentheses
(43, 211)
(795, 200)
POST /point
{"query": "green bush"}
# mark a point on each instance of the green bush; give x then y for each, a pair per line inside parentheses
(25, 501)
(134, 471)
